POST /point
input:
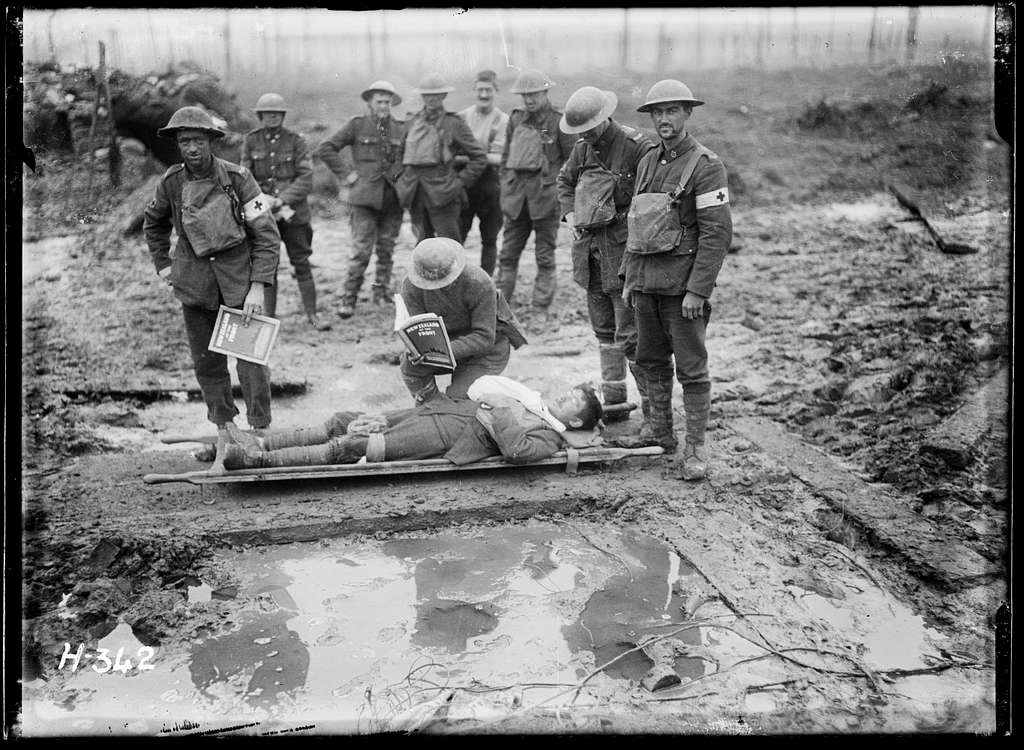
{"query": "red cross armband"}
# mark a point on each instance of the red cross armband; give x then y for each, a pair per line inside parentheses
(713, 198)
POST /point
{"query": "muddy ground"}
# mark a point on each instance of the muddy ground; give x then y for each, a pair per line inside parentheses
(836, 319)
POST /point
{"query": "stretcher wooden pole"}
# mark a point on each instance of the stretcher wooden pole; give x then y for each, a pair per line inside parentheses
(388, 468)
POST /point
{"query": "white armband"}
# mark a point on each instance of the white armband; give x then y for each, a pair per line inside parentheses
(256, 207)
(714, 198)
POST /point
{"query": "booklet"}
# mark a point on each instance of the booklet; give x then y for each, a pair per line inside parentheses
(252, 343)
(424, 335)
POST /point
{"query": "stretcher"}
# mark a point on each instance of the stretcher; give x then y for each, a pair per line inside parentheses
(571, 458)
(609, 409)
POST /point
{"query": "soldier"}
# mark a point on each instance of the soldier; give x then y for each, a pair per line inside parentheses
(429, 187)
(227, 253)
(281, 163)
(595, 187)
(680, 228)
(479, 322)
(489, 125)
(375, 216)
(535, 150)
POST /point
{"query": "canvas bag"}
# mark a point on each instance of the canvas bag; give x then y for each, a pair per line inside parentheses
(210, 214)
(526, 151)
(594, 199)
(653, 222)
(422, 144)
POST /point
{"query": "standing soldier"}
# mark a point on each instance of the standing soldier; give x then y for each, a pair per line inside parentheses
(281, 163)
(376, 217)
(227, 253)
(680, 228)
(430, 187)
(595, 187)
(489, 125)
(535, 150)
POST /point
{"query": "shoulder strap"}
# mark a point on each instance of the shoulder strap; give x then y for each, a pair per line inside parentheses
(688, 170)
(229, 188)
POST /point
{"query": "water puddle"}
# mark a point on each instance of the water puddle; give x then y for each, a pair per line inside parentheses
(351, 635)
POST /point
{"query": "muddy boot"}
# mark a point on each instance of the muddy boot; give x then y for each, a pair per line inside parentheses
(695, 460)
(248, 441)
(236, 457)
(347, 308)
(307, 291)
(380, 294)
(613, 379)
(657, 426)
(421, 391)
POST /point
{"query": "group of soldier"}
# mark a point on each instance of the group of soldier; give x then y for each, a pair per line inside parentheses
(650, 225)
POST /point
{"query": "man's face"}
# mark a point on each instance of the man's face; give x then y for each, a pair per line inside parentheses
(670, 118)
(195, 148)
(484, 94)
(433, 102)
(272, 120)
(569, 407)
(379, 104)
(591, 136)
(535, 100)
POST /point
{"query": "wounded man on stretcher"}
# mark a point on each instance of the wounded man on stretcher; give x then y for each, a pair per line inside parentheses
(500, 417)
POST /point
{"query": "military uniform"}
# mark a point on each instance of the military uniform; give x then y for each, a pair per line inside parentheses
(528, 197)
(375, 214)
(283, 167)
(429, 187)
(597, 254)
(485, 194)
(222, 216)
(658, 281)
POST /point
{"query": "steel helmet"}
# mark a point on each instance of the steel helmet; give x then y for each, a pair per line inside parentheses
(530, 81)
(668, 90)
(384, 87)
(270, 103)
(587, 108)
(190, 118)
(436, 263)
(434, 83)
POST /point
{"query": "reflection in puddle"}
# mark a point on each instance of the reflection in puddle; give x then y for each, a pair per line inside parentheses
(344, 633)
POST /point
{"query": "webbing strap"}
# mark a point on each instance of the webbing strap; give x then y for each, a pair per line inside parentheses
(572, 460)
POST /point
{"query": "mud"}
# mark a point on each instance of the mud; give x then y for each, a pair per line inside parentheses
(836, 318)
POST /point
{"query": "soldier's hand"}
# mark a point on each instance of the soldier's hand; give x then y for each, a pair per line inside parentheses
(165, 275)
(570, 221)
(254, 302)
(627, 299)
(693, 306)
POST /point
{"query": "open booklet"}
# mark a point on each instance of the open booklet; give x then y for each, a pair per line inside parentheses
(424, 335)
(252, 343)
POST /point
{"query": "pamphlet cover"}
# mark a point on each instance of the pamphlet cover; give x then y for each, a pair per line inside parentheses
(425, 335)
(252, 343)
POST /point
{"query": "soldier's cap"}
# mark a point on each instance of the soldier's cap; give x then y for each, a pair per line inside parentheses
(587, 108)
(668, 90)
(190, 118)
(385, 87)
(530, 81)
(433, 83)
(486, 76)
(436, 263)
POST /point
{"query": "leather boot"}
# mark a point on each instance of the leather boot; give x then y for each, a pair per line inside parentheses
(657, 426)
(347, 308)
(380, 294)
(695, 460)
(307, 291)
(613, 379)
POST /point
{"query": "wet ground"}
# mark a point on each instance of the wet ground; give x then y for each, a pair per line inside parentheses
(356, 636)
(749, 602)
